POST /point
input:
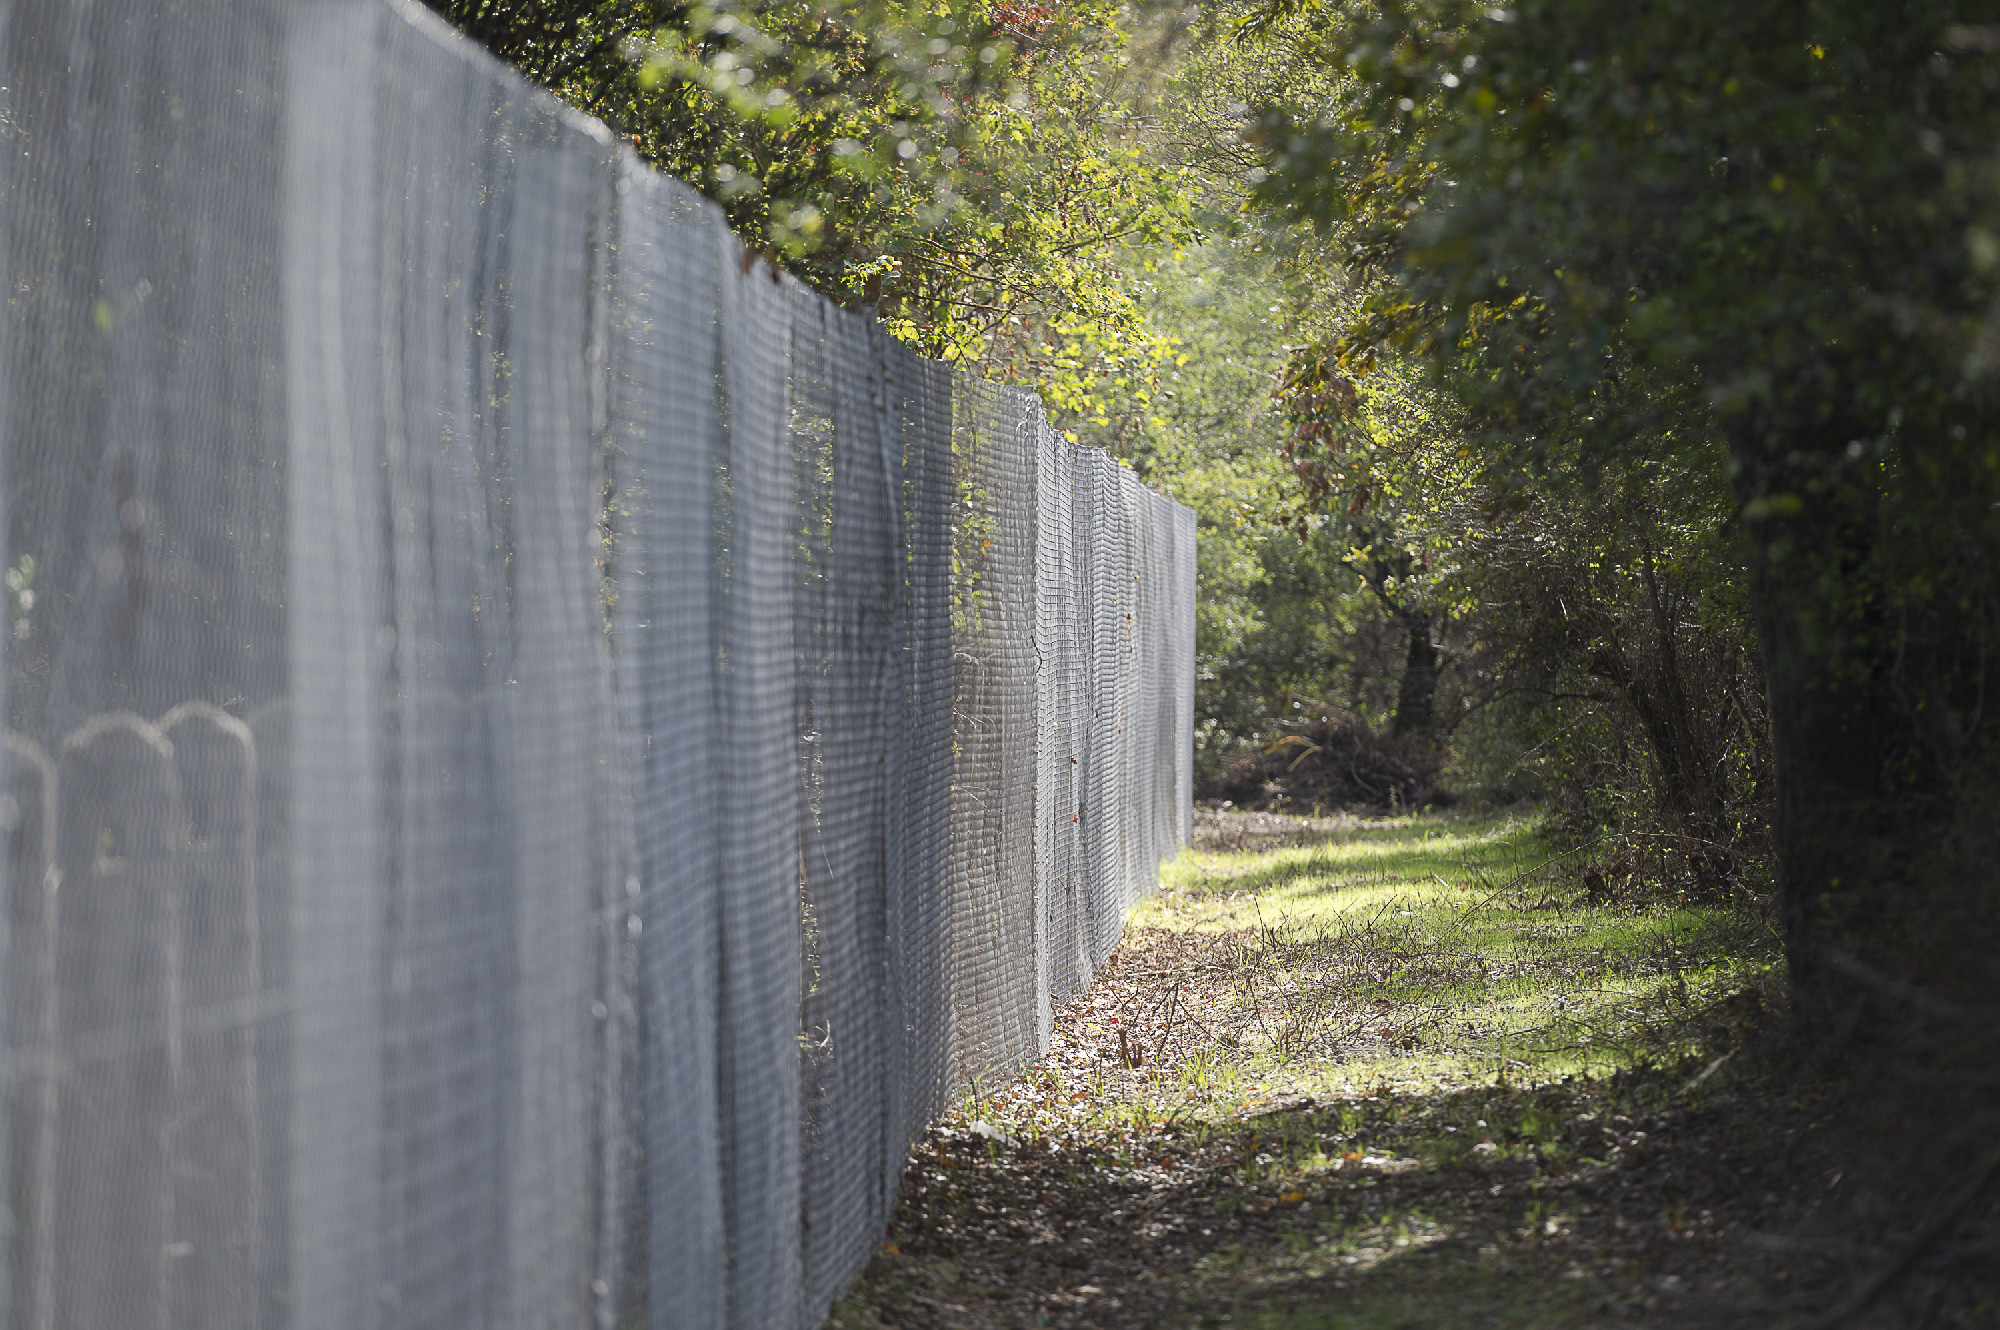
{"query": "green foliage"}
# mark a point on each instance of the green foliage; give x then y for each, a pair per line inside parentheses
(1750, 243)
(791, 115)
(1628, 227)
(1281, 618)
(972, 170)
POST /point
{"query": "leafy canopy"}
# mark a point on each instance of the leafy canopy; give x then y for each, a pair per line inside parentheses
(971, 168)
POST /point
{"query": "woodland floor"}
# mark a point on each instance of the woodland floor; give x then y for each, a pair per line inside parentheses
(1385, 1073)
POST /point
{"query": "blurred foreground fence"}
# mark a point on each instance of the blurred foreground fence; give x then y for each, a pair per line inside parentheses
(540, 753)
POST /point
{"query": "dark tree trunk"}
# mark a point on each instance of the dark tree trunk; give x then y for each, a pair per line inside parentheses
(1416, 700)
(1886, 809)
(1837, 827)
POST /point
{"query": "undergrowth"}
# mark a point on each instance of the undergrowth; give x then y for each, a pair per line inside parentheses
(1421, 1072)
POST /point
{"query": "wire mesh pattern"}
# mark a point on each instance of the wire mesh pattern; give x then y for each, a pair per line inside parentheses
(540, 753)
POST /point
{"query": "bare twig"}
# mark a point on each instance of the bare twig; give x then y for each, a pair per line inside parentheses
(1706, 1072)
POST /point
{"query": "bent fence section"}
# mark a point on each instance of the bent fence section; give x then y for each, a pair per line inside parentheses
(540, 753)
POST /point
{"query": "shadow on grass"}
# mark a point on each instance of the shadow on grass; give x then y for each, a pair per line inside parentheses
(1319, 1087)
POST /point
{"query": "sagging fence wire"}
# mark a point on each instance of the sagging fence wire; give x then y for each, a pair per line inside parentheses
(540, 753)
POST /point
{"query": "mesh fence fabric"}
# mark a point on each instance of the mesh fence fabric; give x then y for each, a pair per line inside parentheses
(540, 754)
(993, 884)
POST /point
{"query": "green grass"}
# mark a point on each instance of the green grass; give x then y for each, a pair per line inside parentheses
(1416, 859)
(1411, 1074)
(1474, 940)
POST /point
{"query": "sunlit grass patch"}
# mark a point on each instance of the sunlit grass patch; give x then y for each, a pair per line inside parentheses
(1439, 951)
(1411, 1069)
(1427, 954)
(1354, 869)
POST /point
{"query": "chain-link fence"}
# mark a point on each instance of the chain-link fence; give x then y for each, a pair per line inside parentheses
(540, 754)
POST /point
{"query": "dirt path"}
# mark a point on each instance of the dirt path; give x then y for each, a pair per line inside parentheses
(1386, 1074)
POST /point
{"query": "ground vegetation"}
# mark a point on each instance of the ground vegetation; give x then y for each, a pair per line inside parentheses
(1423, 1071)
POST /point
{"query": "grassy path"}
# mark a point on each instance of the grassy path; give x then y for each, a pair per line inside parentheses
(1358, 1074)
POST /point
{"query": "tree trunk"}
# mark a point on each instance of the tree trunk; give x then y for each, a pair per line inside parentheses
(1886, 809)
(1841, 837)
(1416, 701)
